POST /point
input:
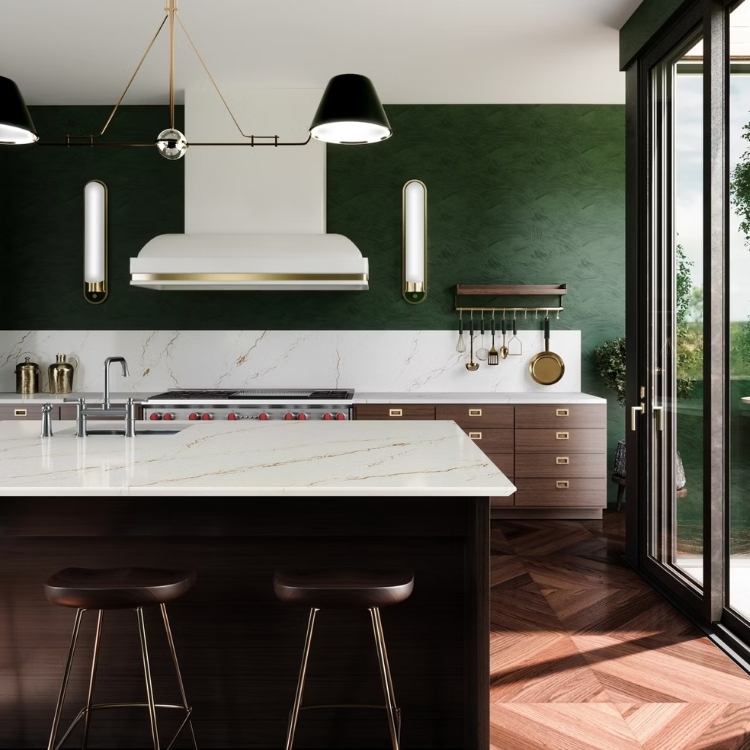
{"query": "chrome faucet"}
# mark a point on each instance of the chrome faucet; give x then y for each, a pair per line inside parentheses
(125, 373)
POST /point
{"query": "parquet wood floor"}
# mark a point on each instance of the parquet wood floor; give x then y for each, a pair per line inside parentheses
(585, 655)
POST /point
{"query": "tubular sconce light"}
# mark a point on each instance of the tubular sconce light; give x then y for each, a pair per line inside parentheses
(95, 286)
(414, 242)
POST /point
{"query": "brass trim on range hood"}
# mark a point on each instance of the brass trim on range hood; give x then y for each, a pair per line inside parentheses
(249, 277)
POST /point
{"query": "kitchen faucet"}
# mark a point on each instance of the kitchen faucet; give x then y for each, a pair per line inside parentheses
(125, 373)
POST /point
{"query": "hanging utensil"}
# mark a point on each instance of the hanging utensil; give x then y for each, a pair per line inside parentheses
(471, 365)
(546, 367)
(503, 348)
(492, 356)
(461, 345)
(482, 352)
(515, 349)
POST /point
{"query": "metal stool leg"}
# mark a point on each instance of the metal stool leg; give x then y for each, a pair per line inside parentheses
(94, 663)
(147, 674)
(188, 709)
(394, 718)
(301, 682)
(66, 677)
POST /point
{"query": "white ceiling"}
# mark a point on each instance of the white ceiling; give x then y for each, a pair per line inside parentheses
(416, 51)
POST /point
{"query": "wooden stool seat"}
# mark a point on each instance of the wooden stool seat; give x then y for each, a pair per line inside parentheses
(343, 589)
(116, 588)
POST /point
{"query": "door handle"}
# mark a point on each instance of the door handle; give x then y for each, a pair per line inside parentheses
(633, 410)
(659, 417)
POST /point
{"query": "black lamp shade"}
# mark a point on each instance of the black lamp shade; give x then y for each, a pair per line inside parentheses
(16, 126)
(350, 113)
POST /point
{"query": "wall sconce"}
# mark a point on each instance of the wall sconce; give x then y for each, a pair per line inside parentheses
(414, 242)
(95, 288)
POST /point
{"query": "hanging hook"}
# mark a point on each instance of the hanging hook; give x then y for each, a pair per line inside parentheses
(558, 315)
(493, 313)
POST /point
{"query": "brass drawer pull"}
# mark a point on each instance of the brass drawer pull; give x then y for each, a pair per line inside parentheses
(562, 436)
(563, 412)
(395, 412)
(19, 412)
(562, 460)
(475, 435)
(563, 484)
(475, 412)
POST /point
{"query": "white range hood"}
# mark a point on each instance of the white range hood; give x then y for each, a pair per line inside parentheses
(255, 218)
(279, 262)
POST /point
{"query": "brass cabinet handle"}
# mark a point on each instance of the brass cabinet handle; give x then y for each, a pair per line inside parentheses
(475, 435)
(19, 412)
(562, 436)
(562, 460)
(475, 412)
(395, 412)
(563, 484)
(563, 412)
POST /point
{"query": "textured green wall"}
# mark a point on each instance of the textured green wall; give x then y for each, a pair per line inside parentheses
(516, 194)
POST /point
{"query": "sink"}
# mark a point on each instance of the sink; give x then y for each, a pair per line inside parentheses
(121, 433)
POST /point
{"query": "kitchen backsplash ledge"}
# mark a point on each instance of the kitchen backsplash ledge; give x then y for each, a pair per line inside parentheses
(379, 360)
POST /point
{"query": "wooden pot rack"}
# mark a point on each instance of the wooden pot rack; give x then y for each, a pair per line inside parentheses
(510, 290)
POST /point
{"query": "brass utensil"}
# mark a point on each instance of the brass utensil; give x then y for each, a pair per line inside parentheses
(492, 356)
(461, 345)
(546, 367)
(515, 350)
(482, 352)
(503, 348)
(471, 365)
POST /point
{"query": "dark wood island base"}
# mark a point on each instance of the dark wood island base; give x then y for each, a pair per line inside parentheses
(239, 647)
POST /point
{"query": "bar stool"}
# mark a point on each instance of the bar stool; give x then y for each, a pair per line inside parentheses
(112, 589)
(346, 589)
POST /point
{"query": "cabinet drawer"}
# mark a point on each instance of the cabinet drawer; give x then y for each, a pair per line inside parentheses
(25, 412)
(551, 492)
(501, 502)
(492, 441)
(561, 416)
(561, 442)
(561, 465)
(504, 462)
(394, 411)
(476, 415)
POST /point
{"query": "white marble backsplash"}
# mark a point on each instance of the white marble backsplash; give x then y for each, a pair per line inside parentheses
(382, 361)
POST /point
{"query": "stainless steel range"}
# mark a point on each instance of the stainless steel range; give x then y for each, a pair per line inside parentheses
(262, 404)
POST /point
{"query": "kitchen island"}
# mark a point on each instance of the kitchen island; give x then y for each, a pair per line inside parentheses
(284, 495)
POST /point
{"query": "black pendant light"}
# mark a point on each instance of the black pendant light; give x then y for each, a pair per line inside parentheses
(16, 126)
(350, 113)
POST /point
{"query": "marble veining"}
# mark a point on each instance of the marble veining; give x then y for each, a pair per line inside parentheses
(255, 459)
(372, 361)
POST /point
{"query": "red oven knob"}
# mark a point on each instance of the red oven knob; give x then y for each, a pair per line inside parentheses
(154, 416)
(302, 416)
(328, 416)
(168, 416)
(289, 416)
(263, 416)
(231, 415)
(341, 416)
(206, 416)
(194, 416)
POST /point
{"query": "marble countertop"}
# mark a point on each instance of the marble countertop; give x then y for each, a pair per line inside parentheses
(422, 397)
(399, 459)
(530, 397)
(61, 398)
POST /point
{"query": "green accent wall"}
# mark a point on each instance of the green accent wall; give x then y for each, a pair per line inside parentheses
(645, 22)
(516, 194)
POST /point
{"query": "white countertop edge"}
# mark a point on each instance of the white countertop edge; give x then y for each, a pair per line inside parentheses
(258, 493)
(529, 397)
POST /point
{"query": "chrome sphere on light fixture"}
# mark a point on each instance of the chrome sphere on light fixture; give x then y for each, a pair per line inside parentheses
(172, 144)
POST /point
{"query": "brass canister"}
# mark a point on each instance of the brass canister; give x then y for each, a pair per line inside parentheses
(27, 377)
(61, 375)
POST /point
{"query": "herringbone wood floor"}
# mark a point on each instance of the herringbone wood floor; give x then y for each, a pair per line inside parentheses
(586, 656)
